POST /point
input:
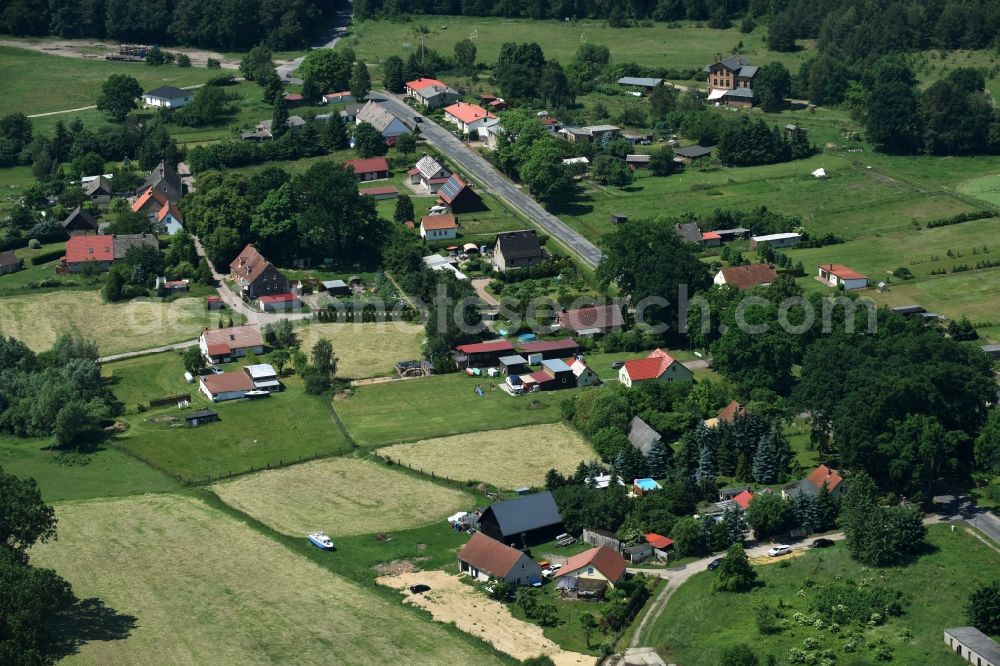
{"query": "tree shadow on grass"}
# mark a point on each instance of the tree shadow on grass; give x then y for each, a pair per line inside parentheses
(86, 621)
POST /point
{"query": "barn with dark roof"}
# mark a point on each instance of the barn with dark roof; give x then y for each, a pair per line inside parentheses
(524, 521)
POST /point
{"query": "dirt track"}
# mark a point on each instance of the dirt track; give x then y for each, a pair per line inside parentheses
(450, 600)
(94, 49)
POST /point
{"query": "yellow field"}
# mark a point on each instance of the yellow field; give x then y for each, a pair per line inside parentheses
(510, 458)
(366, 350)
(341, 496)
(206, 589)
(38, 319)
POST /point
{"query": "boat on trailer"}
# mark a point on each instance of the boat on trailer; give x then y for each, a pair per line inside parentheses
(321, 541)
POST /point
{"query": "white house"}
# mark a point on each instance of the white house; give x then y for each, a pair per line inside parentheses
(225, 386)
(584, 375)
(169, 219)
(431, 92)
(483, 558)
(383, 120)
(429, 173)
(837, 275)
(438, 227)
(220, 345)
(467, 117)
(490, 133)
(658, 366)
(167, 96)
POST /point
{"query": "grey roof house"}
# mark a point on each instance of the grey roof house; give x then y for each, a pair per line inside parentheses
(517, 249)
(642, 436)
(524, 521)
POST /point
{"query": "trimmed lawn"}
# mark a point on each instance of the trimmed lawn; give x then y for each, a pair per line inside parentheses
(105, 473)
(937, 584)
(138, 380)
(975, 294)
(19, 281)
(250, 435)
(38, 319)
(77, 81)
(415, 409)
(342, 496)
(508, 459)
(186, 581)
(366, 350)
(986, 188)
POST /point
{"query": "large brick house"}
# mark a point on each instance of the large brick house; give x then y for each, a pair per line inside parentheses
(730, 81)
(256, 276)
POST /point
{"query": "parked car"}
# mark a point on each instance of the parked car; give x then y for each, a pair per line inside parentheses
(216, 371)
(419, 588)
(551, 570)
(821, 543)
(714, 564)
(617, 364)
(779, 550)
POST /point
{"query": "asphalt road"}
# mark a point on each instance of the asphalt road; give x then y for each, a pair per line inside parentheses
(286, 69)
(496, 183)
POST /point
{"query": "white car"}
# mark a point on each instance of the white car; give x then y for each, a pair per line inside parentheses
(779, 550)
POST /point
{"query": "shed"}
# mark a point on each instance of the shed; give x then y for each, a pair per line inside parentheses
(637, 553)
(195, 419)
(973, 646)
(514, 364)
(336, 287)
(619, 218)
(993, 351)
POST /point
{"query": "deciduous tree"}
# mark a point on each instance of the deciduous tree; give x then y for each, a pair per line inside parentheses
(119, 95)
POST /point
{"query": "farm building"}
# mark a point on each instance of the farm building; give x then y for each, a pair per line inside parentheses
(638, 552)
(221, 345)
(167, 97)
(689, 154)
(637, 161)
(745, 277)
(661, 545)
(467, 117)
(602, 564)
(79, 223)
(646, 83)
(10, 263)
(589, 133)
(993, 351)
(517, 249)
(585, 376)
(336, 288)
(431, 93)
(459, 197)
(554, 375)
(838, 275)
(372, 168)
(263, 376)
(642, 436)
(380, 193)
(429, 173)
(338, 97)
(593, 320)
(524, 521)
(550, 348)
(225, 386)
(201, 417)
(483, 354)
(689, 232)
(599, 537)
(163, 178)
(514, 364)
(658, 366)
(102, 250)
(98, 189)
(483, 558)
(788, 239)
(278, 302)
(438, 227)
(256, 276)
(383, 120)
(973, 646)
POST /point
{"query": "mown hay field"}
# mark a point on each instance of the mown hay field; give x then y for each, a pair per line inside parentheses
(341, 496)
(37, 319)
(509, 459)
(366, 350)
(199, 587)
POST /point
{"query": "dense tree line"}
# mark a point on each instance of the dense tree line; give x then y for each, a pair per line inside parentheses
(228, 25)
(618, 14)
(750, 142)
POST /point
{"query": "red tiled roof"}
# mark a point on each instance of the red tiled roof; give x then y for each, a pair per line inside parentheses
(658, 541)
(171, 210)
(250, 259)
(150, 195)
(729, 412)
(843, 272)
(89, 248)
(489, 555)
(421, 83)
(604, 559)
(236, 337)
(565, 344)
(467, 113)
(375, 191)
(824, 473)
(278, 298)
(486, 347)
(369, 165)
(744, 277)
(601, 317)
(438, 222)
(743, 499)
(651, 367)
(293, 97)
(413, 172)
(540, 377)
(710, 235)
(228, 381)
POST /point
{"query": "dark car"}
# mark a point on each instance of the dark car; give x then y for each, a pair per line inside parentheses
(617, 364)
(714, 564)
(419, 588)
(821, 543)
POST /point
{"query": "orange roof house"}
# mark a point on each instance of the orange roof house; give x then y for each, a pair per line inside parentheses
(467, 117)
(601, 563)
(658, 366)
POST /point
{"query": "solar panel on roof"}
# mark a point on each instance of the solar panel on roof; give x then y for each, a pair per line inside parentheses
(451, 189)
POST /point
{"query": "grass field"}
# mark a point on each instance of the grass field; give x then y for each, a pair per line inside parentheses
(508, 459)
(938, 584)
(438, 406)
(106, 473)
(285, 428)
(195, 585)
(974, 294)
(71, 83)
(986, 188)
(657, 46)
(366, 350)
(138, 380)
(13, 283)
(342, 496)
(38, 319)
